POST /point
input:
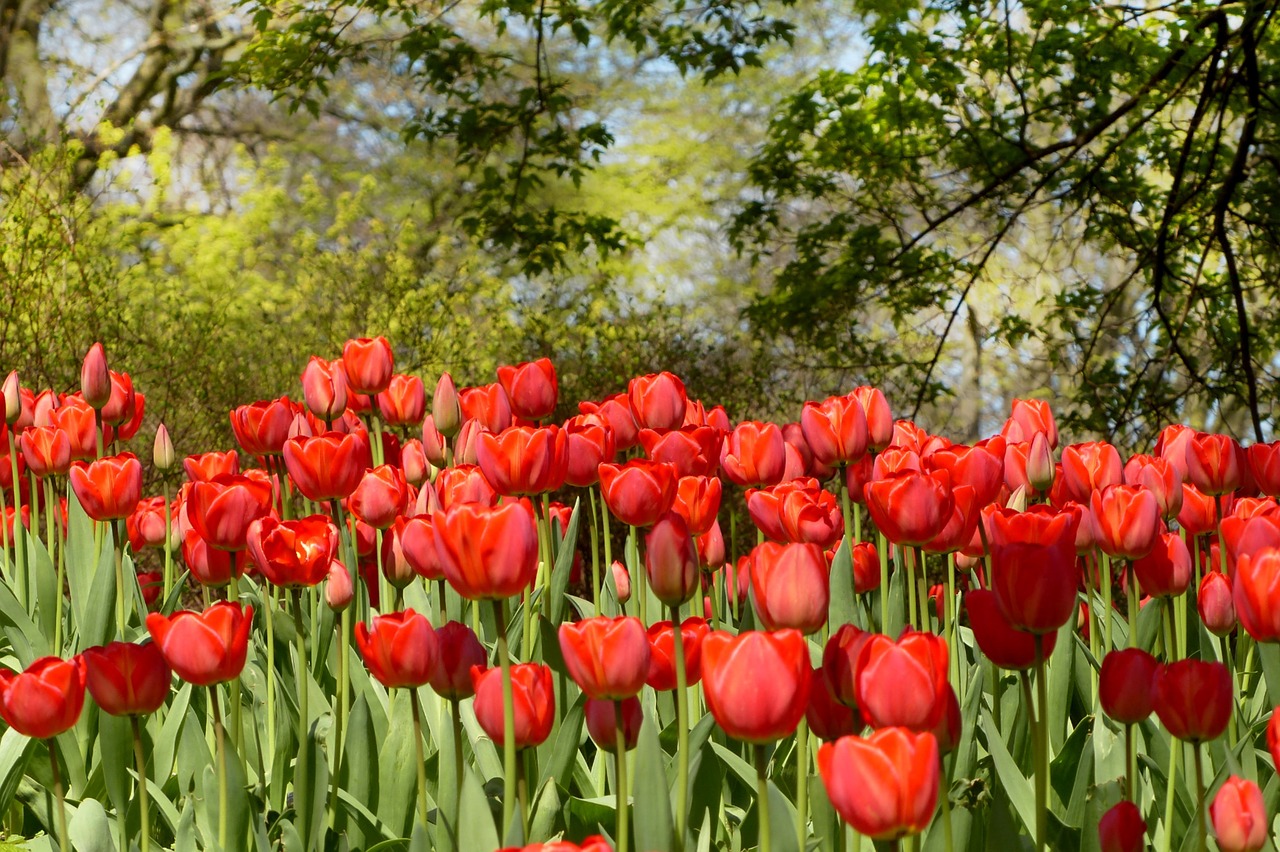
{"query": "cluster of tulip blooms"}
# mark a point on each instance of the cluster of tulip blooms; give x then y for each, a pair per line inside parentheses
(1102, 591)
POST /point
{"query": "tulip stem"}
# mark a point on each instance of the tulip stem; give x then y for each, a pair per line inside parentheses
(1175, 747)
(1201, 827)
(62, 570)
(301, 780)
(168, 551)
(1105, 615)
(19, 532)
(620, 785)
(802, 782)
(269, 616)
(220, 739)
(143, 800)
(882, 549)
(1222, 550)
(58, 794)
(596, 589)
(604, 527)
(1132, 590)
(1090, 612)
(344, 692)
(682, 728)
(762, 794)
(638, 575)
(421, 763)
(1041, 733)
(455, 712)
(4, 529)
(950, 613)
(913, 613)
(119, 560)
(508, 723)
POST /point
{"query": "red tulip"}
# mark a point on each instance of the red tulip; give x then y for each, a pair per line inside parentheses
(911, 508)
(127, 679)
(602, 723)
(487, 553)
(488, 405)
(1159, 477)
(885, 786)
(45, 699)
(78, 420)
(1030, 416)
(531, 387)
(902, 683)
(380, 497)
(119, 409)
(799, 511)
(95, 379)
(961, 526)
(895, 460)
(662, 665)
(1199, 512)
(829, 719)
(534, 699)
(1256, 594)
(840, 659)
(980, 467)
(324, 388)
(1213, 463)
(208, 565)
(222, 509)
(866, 567)
(639, 492)
(145, 525)
(698, 502)
(262, 427)
(1194, 698)
(1264, 464)
(756, 684)
(615, 411)
(459, 651)
(1033, 566)
(671, 560)
(1273, 737)
(524, 459)
(694, 450)
(588, 445)
(1216, 605)
(658, 401)
(368, 364)
(1239, 816)
(1126, 520)
(446, 412)
(338, 591)
(621, 581)
(328, 466)
(1127, 685)
(293, 553)
(835, 429)
(417, 542)
(404, 401)
(205, 466)
(1090, 467)
(1121, 828)
(108, 489)
(754, 454)
(464, 483)
(1002, 643)
(594, 843)
(400, 649)
(204, 648)
(607, 657)
(791, 586)
(46, 450)
(1166, 570)
(879, 419)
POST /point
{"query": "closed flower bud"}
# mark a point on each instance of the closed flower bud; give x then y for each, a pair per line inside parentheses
(1216, 606)
(95, 379)
(445, 411)
(162, 454)
(1239, 816)
(671, 560)
(621, 581)
(12, 399)
(338, 589)
(1122, 829)
(602, 725)
(1127, 685)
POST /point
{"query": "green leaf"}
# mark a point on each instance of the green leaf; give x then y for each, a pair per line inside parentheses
(1015, 785)
(653, 824)
(544, 812)
(359, 760)
(115, 742)
(564, 564)
(477, 829)
(396, 767)
(15, 752)
(89, 828)
(844, 602)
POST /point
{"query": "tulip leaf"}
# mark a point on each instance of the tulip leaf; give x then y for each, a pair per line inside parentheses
(1269, 656)
(560, 767)
(653, 824)
(15, 752)
(163, 805)
(359, 757)
(782, 821)
(45, 580)
(185, 835)
(564, 564)
(395, 765)
(89, 829)
(733, 761)
(1058, 670)
(844, 602)
(706, 775)
(897, 600)
(82, 561)
(592, 816)
(1014, 784)
(544, 811)
(420, 842)
(115, 742)
(1071, 774)
(476, 829)
(362, 819)
(25, 639)
(966, 750)
(98, 622)
(164, 748)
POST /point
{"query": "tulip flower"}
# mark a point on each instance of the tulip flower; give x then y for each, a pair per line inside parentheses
(368, 364)
(588, 444)
(1033, 566)
(694, 450)
(607, 657)
(662, 670)
(400, 649)
(658, 401)
(1166, 570)
(639, 492)
(204, 648)
(594, 843)
(127, 679)
(45, 699)
(829, 719)
(602, 725)
(205, 466)
(487, 405)
(616, 412)
(671, 561)
(108, 489)
(1256, 593)
(797, 511)
(910, 508)
(884, 786)
(222, 509)
(791, 586)
(1194, 698)
(835, 429)
(463, 483)
(1001, 642)
(1090, 467)
(1122, 828)
(697, 500)
(524, 459)
(145, 525)
(208, 565)
(879, 419)
(380, 496)
(261, 428)
(404, 402)
(1127, 685)
(1159, 477)
(531, 387)
(866, 567)
(95, 379)
(293, 553)
(1264, 464)
(1215, 604)
(840, 662)
(324, 388)
(338, 590)
(459, 650)
(1029, 417)
(902, 683)
(621, 581)
(1126, 519)
(753, 454)
(534, 701)
(981, 467)
(328, 466)
(756, 684)
(46, 450)
(1214, 463)
(1239, 816)
(487, 553)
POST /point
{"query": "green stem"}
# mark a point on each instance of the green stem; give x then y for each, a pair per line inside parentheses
(1091, 629)
(270, 619)
(19, 533)
(301, 783)
(950, 614)
(1105, 615)
(168, 551)
(63, 840)
(682, 729)
(220, 739)
(912, 611)
(4, 530)
(1132, 588)
(1042, 748)
(1201, 827)
(120, 590)
(508, 723)
(62, 570)
(639, 581)
(550, 559)
(945, 795)
(1175, 747)
(802, 782)
(762, 794)
(421, 762)
(620, 768)
(596, 589)
(340, 724)
(143, 800)
(1131, 764)
(604, 528)
(455, 712)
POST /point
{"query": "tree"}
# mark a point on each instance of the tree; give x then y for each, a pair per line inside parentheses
(1118, 150)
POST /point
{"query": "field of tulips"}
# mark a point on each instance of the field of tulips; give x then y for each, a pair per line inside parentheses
(391, 623)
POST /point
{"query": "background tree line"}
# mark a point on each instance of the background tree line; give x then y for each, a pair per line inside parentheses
(959, 201)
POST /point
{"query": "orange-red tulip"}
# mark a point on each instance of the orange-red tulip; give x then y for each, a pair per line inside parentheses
(1214, 463)
(1256, 593)
(293, 553)
(368, 364)
(879, 419)
(1001, 642)
(523, 460)
(46, 450)
(487, 405)
(662, 665)
(127, 679)
(487, 553)
(911, 508)
(261, 428)
(607, 657)
(1127, 685)
(885, 786)
(754, 454)
(1033, 566)
(460, 650)
(616, 411)
(324, 388)
(1215, 603)
(400, 649)
(1122, 828)
(404, 401)
(108, 489)
(1030, 416)
(671, 560)
(903, 683)
(531, 387)
(756, 684)
(694, 450)
(835, 429)
(328, 466)
(658, 401)
(1239, 816)
(1194, 699)
(204, 648)
(588, 444)
(45, 699)
(1090, 467)
(205, 466)
(790, 586)
(533, 695)
(639, 492)
(380, 497)
(222, 509)
(602, 723)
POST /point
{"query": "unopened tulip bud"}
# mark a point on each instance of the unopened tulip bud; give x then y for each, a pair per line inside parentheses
(445, 409)
(299, 427)
(12, 399)
(338, 591)
(162, 454)
(1017, 500)
(621, 582)
(432, 441)
(95, 380)
(1040, 469)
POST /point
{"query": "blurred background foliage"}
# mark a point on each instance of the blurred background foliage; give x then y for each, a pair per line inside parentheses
(960, 201)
